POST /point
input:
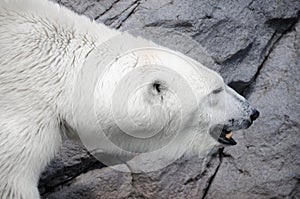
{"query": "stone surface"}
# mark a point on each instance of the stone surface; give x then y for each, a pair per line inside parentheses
(255, 47)
(266, 162)
(72, 160)
(97, 184)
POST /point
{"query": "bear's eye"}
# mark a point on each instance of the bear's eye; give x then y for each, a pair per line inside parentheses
(218, 90)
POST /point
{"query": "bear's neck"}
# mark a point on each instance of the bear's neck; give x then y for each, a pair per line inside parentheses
(81, 37)
(54, 45)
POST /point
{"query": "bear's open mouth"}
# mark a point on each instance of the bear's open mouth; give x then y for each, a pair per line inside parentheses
(222, 135)
(226, 137)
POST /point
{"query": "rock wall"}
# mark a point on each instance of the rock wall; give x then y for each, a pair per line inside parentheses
(255, 45)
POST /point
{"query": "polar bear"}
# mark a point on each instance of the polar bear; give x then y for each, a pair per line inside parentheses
(61, 73)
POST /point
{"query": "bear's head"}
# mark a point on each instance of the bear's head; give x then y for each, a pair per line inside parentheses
(149, 99)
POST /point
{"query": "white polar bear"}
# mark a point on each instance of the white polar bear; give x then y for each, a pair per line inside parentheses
(60, 72)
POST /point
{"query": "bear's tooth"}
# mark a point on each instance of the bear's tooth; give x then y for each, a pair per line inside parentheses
(228, 135)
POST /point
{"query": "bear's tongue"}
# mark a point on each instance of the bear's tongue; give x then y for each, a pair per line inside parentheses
(229, 135)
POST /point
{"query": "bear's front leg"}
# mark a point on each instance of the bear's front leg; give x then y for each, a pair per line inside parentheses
(26, 146)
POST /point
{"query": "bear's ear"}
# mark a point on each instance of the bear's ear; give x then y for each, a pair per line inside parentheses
(157, 87)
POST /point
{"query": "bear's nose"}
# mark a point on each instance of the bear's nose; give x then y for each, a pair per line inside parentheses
(254, 115)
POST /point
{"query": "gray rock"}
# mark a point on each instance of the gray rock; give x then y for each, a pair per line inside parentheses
(186, 178)
(255, 47)
(266, 162)
(72, 160)
(98, 183)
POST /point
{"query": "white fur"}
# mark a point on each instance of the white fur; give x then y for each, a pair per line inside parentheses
(43, 48)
